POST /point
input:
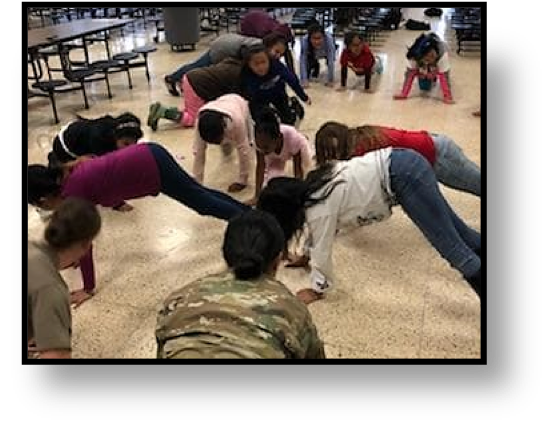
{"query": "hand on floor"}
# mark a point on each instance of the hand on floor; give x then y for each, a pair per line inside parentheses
(80, 296)
(32, 352)
(236, 187)
(448, 101)
(124, 207)
(307, 296)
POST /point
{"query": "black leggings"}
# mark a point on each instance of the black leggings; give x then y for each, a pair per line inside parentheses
(313, 67)
(367, 73)
(289, 59)
(281, 103)
(179, 185)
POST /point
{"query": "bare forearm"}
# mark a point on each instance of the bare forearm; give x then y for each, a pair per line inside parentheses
(260, 171)
(55, 354)
(87, 271)
(298, 170)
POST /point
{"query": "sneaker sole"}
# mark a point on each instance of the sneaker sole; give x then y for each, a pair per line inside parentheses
(151, 119)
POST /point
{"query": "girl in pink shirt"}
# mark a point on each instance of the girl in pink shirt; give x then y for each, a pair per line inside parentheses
(226, 121)
(276, 144)
(133, 172)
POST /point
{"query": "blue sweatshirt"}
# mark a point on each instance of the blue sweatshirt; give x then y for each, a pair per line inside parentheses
(327, 50)
(272, 85)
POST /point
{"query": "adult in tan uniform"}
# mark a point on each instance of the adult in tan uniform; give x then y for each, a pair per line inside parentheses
(67, 239)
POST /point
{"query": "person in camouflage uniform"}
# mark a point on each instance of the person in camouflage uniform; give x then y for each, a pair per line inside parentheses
(244, 313)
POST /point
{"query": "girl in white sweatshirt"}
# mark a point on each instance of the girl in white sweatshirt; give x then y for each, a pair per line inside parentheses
(361, 191)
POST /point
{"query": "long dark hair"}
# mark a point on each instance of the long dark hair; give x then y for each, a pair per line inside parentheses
(267, 123)
(94, 136)
(332, 142)
(288, 198)
(337, 141)
(43, 181)
(422, 45)
(252, 241)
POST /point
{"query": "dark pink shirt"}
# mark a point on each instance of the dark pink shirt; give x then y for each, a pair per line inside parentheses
(108, 180)
(259, 23)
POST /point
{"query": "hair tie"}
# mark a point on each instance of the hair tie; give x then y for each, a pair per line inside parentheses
(63, 144)
(127, 125)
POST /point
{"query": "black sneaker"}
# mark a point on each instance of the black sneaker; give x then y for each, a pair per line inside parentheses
(297, 107)
(171, 85)
(477, 284)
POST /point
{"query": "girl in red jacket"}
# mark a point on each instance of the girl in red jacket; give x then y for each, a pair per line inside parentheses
(336, 141)
(358, 57)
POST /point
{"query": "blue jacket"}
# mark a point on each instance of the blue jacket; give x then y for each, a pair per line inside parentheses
(272, 85)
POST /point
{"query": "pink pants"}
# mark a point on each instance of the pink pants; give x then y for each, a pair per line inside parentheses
(411, 74)
(191, 104)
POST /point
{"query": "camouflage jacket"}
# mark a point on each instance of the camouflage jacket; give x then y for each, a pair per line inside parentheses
(223, 317)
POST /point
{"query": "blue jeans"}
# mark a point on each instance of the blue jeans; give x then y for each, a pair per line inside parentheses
(426, 84)
(202, 61)
(415, 187)
(179, 185)
(453, 169)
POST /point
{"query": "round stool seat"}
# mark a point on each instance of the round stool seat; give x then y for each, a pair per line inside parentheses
(49, 85)
(144, 49)
(126, 56)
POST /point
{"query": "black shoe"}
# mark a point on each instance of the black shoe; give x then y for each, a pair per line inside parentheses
(433, 12)
(171, 85)
(315, 72)
(477, 284)
(297, 107)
